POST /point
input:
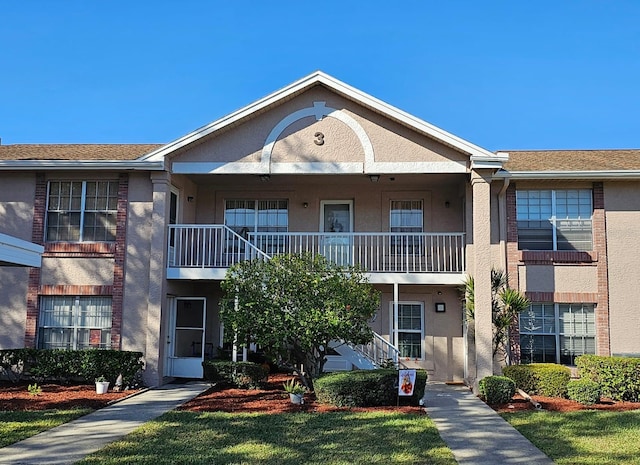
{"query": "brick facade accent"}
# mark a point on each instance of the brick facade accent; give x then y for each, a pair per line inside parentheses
(603, 343)
(597, 257)
(116, 250)
(119, 262)
(513, 258)
(37, 236)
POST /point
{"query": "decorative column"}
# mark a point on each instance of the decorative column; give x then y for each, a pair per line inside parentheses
(154, 350)
(481, 272)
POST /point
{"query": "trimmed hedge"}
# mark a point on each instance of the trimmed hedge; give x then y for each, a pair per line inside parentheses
(67, 366)
(244, 375)
(619, 377)
(497, 389)
(542, 379)
(585, 391)
(366, 388)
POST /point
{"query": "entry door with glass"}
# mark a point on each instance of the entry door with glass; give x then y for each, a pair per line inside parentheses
(337, 222)
(186, 337)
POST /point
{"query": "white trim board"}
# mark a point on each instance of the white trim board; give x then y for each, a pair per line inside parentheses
(18, 252)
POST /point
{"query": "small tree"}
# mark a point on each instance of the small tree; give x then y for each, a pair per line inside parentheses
(295, 305)
(506, 305)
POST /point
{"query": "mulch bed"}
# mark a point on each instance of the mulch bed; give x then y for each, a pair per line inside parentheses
(272, 399)
(556, 404)
(53, 396)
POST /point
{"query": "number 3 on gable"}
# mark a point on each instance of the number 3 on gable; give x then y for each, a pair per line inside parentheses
(319, 138)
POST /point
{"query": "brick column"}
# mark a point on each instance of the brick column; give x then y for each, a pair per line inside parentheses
(37, 237)
(603, 343)
(512, 267)
(119, 262)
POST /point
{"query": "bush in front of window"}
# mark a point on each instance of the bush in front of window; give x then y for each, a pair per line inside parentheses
(366, 388)
(542, 379)
(244, 375)
(619, 377)
(585, 391)
(69, 366)
(497, 389)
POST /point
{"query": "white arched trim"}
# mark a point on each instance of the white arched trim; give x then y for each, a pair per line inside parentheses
(319, 110)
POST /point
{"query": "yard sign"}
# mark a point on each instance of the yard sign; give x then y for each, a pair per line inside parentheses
(406, 382)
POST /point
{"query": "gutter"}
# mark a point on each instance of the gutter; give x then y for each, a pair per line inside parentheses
(572, 175)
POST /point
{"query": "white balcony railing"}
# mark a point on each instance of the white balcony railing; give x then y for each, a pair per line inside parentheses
(217, 246)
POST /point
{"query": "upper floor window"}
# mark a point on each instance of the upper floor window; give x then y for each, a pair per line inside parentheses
(554, 219)
(557, 333)
(256, 216)
(80, 211)
(406, 216)
(74, 322)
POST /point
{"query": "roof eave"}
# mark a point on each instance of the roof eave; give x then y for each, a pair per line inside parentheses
(307, 82)
(23, 165)
(569, 175)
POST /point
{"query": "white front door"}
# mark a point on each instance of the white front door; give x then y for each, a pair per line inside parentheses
(337, 221)
(186, 344)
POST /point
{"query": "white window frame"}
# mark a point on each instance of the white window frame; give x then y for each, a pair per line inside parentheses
(553, 218)
(76, 325)
(393, 311)
(256, 227)
(82, 209)
(558, 330)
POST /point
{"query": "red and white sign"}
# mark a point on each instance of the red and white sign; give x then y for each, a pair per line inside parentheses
(406, 382)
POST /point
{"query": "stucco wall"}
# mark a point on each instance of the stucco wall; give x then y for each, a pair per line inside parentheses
(84, 271)
(622, 205)
(443, 344)
(16, 215)
(548, 278)
(136, 284)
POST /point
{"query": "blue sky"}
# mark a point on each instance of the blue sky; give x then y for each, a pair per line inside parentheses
(505, 75)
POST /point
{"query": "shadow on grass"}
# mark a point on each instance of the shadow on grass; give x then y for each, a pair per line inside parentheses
(285, 439)
(585, 437)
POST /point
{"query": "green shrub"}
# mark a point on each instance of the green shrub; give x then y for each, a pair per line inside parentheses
(244, 375)
(618, 377)
(585, 391)
(66, 366)
(543, 379)
(366, 388)
(497, 389)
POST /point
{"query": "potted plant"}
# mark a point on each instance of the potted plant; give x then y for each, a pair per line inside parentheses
(296, 391)
(102, 385)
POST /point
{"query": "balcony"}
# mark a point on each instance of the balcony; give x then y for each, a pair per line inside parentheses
(206, 251)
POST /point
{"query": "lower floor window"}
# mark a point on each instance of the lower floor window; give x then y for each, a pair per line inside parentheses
(557, 333)
(74, 322)
(408, 328)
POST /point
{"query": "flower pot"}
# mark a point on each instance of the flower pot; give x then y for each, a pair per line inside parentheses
(102, 387)
(296, 398)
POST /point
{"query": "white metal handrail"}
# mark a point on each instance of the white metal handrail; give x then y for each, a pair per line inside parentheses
(375, 252)
(217, 246)
(208, 246)
(380, 351)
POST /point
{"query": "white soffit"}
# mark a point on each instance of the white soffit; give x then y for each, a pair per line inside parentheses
(17, 252)
(477, 153)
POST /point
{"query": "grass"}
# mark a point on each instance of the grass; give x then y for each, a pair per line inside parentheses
(587, 437)
(18, 425)
(336, 438)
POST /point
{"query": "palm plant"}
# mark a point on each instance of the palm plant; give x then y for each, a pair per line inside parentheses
(506, 305)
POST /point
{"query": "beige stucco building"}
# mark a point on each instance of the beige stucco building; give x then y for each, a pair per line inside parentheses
(137, 238)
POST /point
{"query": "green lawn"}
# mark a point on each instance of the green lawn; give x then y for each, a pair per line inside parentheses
(16, 426)
(337, 438)
(585, 437)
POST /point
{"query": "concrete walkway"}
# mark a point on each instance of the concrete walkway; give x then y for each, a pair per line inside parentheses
(474, 432)
(72, 441)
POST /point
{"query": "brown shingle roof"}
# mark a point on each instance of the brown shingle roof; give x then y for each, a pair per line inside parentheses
(573, 160)
(75, 151)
